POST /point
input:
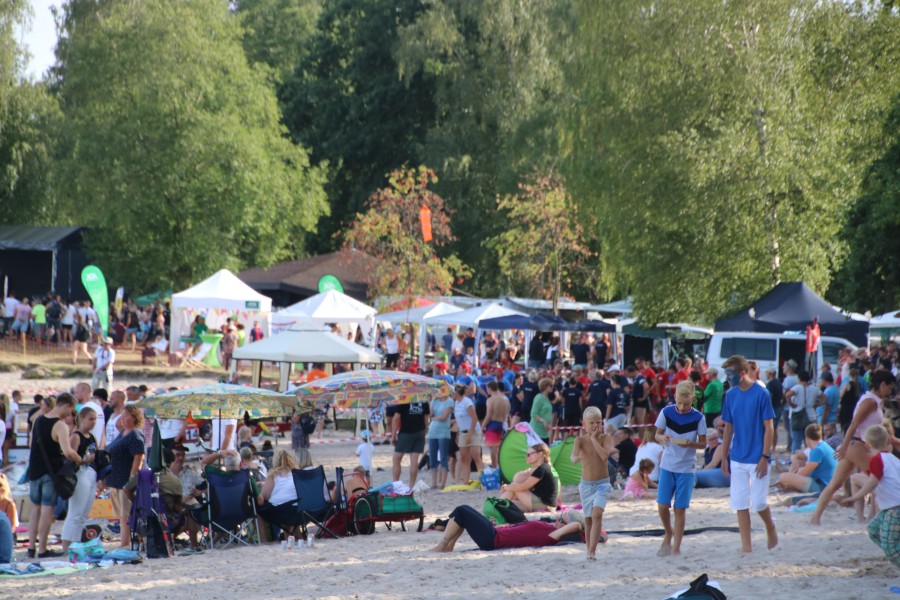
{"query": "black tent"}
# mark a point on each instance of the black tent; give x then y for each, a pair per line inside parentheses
(41, 259)
(791, 307)
(542, 323)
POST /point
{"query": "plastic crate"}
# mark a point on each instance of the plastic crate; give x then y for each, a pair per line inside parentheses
(388, 505)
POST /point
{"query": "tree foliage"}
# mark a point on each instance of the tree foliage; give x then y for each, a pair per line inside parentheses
(499, 87)
(277, 32)
(175, 155)
(390, 230)
(543, 251)
(720, 149)
(28, 116)
(347, 103)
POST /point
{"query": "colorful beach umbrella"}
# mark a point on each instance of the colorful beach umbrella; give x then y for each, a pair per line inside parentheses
(219, 401)
(371, 388)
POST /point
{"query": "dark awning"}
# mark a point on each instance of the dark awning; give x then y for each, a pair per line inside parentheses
(20, 237)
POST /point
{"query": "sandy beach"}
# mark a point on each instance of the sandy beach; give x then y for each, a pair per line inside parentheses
(834, 562)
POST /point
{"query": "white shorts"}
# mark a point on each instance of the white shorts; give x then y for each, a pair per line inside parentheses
(748, 490)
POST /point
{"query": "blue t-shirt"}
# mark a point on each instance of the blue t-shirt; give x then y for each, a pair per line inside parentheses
(747, 411)
(824, 455)
(597, 393)
(447, 378)
(121, 457)
(833, 394)
(482, 382)
(464, 380)
(687, 426)
(438, 430)
(619, 400)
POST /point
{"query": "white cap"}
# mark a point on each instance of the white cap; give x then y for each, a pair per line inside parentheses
(613, 367)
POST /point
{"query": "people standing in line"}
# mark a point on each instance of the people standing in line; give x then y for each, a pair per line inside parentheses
(85, 444)
(747, 443)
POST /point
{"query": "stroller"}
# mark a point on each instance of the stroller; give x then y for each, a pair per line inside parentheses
(149, 525)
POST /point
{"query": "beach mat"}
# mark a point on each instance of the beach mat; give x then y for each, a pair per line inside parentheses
(661, 532)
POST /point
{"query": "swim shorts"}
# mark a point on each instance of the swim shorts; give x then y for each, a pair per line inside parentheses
(594, 494)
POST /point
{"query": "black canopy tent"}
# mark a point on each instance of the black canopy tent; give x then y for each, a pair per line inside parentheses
(790, 307)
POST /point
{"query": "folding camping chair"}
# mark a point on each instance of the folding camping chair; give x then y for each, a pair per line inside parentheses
(148, 521)
(195, 360)
(231, 509)
(313, 499)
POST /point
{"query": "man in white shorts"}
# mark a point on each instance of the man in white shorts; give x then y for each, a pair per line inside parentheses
(747, 443)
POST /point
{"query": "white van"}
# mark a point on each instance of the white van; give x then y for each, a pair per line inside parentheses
(771, 349)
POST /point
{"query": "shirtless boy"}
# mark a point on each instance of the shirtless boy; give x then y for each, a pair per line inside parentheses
(592, 448)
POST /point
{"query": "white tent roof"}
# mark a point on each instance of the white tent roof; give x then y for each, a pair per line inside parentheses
(886, 321)
(307, 345)
(328, 307)
(472, 316)
(222, 290)
(415, 315)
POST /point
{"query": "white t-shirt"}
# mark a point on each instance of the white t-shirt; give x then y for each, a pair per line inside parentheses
(112, 432)
(886, 467)
(100, 425)
(650, 450)
(105, 356)
(2, 438)
(69, 317)
(218, 433)
(11, 415)
(805, 397)
(391, 345)
(283, 491)
(463, 418)
(9, 308)
(365, 451)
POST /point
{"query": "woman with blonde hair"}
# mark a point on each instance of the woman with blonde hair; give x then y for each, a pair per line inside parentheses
(303, 459)
(534, 489)
(278, 498)
(126, 454)
(82, 499)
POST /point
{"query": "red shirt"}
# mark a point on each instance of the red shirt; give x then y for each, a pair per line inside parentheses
(316, 374)
(529, 533)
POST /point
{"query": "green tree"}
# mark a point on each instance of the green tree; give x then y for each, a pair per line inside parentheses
(28, 116)
(719, 151)
(278, 32)
(348, 105)
(543, 252)
(870, 278)
(174, 152)
(390, 230)
(497, 69)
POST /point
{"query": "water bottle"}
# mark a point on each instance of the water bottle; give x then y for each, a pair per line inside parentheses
(310, 540)
(292, 543)
(91, 450)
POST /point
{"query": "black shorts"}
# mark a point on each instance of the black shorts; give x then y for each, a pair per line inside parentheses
(410, 443)
(645, 404)
(573, 420)
(481, 410)
(392, 360)
(454, 446)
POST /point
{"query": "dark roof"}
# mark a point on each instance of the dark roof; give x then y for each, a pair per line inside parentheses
(20, 237)
(351, 267)
(791, 306)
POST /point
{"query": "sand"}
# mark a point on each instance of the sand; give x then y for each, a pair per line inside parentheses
(836, 561)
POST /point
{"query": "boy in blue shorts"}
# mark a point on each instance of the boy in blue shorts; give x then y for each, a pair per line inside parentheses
(681, 429)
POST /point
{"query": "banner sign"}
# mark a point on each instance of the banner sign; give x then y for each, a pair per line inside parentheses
(95, 284)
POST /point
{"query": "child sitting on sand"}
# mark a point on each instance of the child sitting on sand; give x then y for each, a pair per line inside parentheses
(592, 448)
(639, 484)
(884, 478)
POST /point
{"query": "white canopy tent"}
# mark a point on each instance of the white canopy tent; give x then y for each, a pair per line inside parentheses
(220, 296)
(418, 316)
(305, 345)
(328, 307)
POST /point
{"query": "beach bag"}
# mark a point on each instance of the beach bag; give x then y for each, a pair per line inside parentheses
(156, 538)
(700, 588)
(78, 551)
(799, 419)
(102, 463)
(490, 479)
(502, 511)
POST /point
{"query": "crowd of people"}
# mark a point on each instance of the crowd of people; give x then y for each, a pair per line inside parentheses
(639, 429)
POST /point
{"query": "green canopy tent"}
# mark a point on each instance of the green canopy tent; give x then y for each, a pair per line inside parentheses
(148, 299)
(561, 457)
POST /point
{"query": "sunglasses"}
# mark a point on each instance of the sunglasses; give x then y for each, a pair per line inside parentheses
(530, 452)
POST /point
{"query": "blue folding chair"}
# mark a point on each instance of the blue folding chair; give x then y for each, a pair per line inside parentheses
(231, 509)
(313, 500)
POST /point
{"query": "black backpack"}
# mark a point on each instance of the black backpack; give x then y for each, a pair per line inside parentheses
(701, 589)
(308, 424)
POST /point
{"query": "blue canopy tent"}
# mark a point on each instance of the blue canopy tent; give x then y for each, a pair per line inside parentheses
(791, 306)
